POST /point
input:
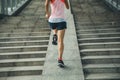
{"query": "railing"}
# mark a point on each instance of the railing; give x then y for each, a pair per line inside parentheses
(8, 7)
(114, 3)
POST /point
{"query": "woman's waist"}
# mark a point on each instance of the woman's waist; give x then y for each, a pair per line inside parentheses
(54, 20)
(57, 16)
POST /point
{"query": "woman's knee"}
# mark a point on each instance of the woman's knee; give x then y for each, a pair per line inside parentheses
(60, 40)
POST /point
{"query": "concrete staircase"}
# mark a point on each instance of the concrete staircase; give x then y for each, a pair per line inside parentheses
(24, 42)
(98, 33)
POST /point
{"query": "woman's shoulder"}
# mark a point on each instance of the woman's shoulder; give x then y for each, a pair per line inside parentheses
(52, 1)
(63, 0)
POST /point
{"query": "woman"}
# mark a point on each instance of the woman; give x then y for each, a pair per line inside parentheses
(57, 23)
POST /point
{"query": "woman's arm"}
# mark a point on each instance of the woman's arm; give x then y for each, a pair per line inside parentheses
(66, 4)
(47, 8)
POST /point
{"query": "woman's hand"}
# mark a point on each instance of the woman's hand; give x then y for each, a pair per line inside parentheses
(47, 16)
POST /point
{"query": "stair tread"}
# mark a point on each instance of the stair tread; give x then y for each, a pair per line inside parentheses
(21, 60)
(98, 29)
(99, 26)
(15, 47)
(102, 57)
(101, 66)
(99, 38)
(22, 37)
(102, 49)
(16, 53)
(22, 68)
(25, 41)
(83, 44)
(103, 76)
(24, 33)
(25, 77)
(99, 34)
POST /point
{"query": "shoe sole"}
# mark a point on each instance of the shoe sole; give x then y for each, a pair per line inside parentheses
(54, 43)
(61, 65)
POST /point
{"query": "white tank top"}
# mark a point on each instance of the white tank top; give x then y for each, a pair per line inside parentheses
(57, 11)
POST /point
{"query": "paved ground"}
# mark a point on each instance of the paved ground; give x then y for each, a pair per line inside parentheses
(73, 69)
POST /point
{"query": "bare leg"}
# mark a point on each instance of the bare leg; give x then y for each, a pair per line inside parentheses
(54, 31)
(60, 43)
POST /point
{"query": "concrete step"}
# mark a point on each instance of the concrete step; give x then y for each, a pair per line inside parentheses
(94, 52)
(98, 36)
(101, 59)
(4, 39)
(32, 27)
(108, 30)
(29, 18)
(100, 23)
(13, 20)
(29, 12)
(21, 71)
(36, 25)
(26, 77)
(7, 26)
(31, 7)
(25, 63)
(31, 34)
(30, 30)
(101, 68)
(103, 76)
(100, 52)
(21, 55)
(27, 23)
(99, 39)
(99, 45)
(41, 29)
(25, 34)
(40, 12)
(22, 62)
(96, 18)
(3, 30)
(94, 35)
(23, 48)
(38, 2)
(96, 27)
(22, 43)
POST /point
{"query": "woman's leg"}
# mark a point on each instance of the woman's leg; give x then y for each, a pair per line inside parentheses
(61, 34)
(54, 31)
(54, 42)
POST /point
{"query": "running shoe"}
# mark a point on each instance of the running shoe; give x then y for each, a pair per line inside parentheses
(61, 64)
(54, 42)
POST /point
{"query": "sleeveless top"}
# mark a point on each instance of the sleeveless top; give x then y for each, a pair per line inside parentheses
(57, 11)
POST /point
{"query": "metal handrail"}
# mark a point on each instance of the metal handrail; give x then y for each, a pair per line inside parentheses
(7, 7)
(114, 3)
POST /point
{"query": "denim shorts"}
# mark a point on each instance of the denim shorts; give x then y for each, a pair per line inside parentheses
(58, 26)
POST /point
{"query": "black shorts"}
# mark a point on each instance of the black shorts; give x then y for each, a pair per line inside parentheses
(58, 26)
